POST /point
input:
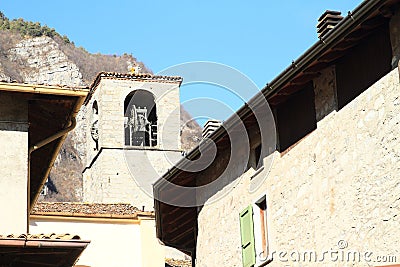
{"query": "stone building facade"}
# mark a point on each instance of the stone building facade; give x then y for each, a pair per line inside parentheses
(339, 183)
(328, 194)
(134, 136)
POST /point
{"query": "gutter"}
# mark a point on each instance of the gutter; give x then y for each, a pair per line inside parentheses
(354, 18)
(365, 9)
(27, 246)
(73, 218)
(43, 243)
(43, 89)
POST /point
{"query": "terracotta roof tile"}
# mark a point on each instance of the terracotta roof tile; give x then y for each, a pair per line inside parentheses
(141, 76)
(178, 263)
(120, 210)
(133, 76)
(51, 236)
(130, 76)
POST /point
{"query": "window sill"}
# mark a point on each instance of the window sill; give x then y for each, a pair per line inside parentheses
(155, 148)
(257, 172)
(265, 263)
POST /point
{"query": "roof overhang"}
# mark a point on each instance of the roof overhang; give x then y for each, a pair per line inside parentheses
(40, 252)
(176, 226)
(51, 109)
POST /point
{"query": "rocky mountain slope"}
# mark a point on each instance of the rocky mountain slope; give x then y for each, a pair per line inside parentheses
(55, 60)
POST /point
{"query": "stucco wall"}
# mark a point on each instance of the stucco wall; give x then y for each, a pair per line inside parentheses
(338, 183)
(112, 243)
(153, 254)
(14, 164)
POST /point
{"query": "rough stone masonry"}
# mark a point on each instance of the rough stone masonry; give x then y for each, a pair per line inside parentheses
(339, 183)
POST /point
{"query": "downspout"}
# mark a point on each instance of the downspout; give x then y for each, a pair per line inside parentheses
(38, 145)
(62, 134)
(53, 137)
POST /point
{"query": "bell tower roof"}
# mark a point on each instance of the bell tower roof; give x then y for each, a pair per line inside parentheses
(131, 76)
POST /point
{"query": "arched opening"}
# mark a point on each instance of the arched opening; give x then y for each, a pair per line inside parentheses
(94, 129)
(140, 122)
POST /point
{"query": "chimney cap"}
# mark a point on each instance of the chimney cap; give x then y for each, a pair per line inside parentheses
(328, 21)
(210, 126)
(329, 12)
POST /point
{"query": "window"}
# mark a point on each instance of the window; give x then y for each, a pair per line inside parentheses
(254, 234)
(140, 119)
(295, 117)
(255, 158)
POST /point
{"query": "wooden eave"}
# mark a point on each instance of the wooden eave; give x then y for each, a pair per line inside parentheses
(50, 110)
(40, 252)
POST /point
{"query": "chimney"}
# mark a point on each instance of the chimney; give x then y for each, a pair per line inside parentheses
(328, 21)
(210, 127)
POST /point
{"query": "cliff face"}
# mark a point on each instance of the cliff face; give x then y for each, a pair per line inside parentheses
(45, 60)
(41, 61)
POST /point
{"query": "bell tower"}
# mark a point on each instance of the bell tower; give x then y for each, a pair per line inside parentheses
(133, 136)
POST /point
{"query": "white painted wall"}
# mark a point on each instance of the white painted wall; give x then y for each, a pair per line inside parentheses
(112, 244)
(13, 181)
(13, 164)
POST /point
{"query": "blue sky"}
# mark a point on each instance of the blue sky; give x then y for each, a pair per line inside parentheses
(258, 38)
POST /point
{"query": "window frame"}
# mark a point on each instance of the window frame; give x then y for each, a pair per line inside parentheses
(255, 228)
(260, 218)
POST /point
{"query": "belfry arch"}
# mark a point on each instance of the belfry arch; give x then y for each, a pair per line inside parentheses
(140, 119)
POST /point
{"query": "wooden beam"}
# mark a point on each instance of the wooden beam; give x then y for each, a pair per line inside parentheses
(373, 23)
(304, 78)
(179, 233)
(357, 35)
(177, 219)
(333, 55)
(317, 66)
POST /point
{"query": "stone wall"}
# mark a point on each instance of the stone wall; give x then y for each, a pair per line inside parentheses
(125, 176)
(14, 160)
(111, 95)
(338, 183)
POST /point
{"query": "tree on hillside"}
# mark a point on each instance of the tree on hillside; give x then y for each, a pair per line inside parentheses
(28, 28)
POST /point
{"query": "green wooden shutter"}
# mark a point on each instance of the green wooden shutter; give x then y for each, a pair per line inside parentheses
(247, 235)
